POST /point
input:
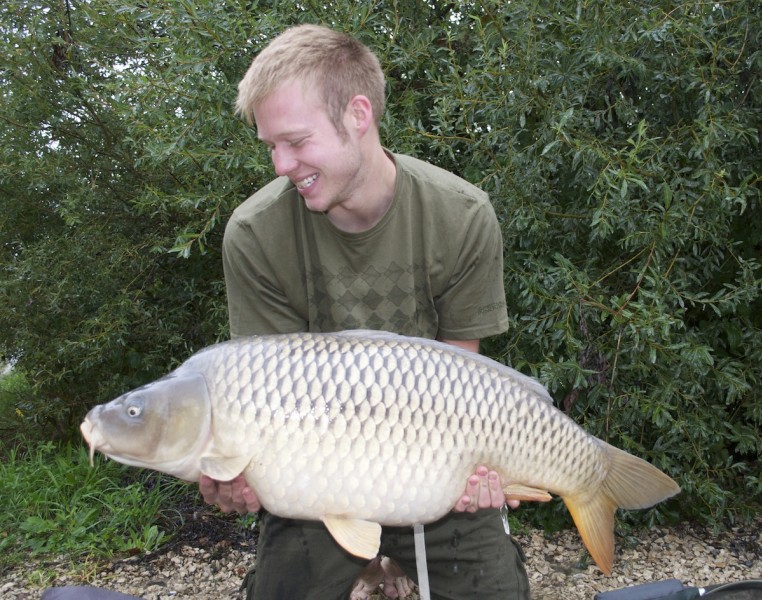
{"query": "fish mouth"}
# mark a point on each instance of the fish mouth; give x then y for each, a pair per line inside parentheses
(92, 437)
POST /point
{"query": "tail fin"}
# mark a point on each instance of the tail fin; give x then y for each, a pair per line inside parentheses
(630, 483)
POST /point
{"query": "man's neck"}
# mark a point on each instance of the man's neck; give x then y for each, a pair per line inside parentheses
(373, 199)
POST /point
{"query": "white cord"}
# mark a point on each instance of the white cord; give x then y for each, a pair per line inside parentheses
(420, 562)
(504, 517)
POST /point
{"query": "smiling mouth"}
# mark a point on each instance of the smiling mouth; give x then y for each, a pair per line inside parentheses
(306, 182)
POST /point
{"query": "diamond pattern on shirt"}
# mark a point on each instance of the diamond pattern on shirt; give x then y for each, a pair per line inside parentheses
(396, 298)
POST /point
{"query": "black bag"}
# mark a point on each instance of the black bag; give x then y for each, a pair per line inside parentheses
(672, 589)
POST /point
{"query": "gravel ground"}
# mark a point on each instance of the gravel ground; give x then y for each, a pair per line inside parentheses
(211, 553)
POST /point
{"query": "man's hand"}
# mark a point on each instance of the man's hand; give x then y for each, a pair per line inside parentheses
(230, 496)
(483, 490)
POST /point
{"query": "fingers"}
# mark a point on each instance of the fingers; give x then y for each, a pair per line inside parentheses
(396, 583)
(370, 578)
(251, 500)
(208, 488)
(484, 489)
(230, 496)
(490, 493)
(463, 503)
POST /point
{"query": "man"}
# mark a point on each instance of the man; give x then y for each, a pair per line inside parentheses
(352, 236)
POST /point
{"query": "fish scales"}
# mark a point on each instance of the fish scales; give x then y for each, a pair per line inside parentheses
(365, 428)
(357, 381)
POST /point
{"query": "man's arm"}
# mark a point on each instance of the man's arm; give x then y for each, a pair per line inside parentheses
(472, 345)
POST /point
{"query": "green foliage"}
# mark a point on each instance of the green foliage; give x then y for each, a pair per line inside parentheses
(13, 388)
(94, 196)
(618, 141)
(56, 503)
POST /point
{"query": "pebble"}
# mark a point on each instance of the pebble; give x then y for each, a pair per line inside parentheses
(204, 570)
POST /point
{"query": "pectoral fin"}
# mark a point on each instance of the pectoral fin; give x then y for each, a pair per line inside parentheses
(525, 493)
(223, 468)
(358, 537)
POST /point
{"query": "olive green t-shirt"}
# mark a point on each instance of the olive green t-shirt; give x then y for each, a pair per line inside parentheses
(432, 267)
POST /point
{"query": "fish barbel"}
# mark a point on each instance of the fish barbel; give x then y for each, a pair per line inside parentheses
(360, 429)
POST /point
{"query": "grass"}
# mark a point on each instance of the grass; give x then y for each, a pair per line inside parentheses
(55, 503)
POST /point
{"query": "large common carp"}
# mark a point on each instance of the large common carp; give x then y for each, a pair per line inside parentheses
(361, 428)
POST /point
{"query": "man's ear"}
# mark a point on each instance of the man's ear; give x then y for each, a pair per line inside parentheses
(360, 114)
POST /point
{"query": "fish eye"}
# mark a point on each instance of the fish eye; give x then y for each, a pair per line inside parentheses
(134, 411)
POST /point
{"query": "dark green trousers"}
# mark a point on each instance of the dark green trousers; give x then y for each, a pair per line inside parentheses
(468, 555)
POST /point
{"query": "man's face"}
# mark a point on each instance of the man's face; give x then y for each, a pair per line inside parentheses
(305, 147)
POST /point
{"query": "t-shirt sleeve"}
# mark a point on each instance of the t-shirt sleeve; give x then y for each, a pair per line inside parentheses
(472, 305)
(256, 304)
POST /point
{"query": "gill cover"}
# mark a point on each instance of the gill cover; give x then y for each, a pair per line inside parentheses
(162, 425)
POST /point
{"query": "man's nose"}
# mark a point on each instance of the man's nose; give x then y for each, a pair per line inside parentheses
(283, 161)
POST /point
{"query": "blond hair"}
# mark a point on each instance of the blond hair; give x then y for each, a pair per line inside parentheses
(337, 65)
